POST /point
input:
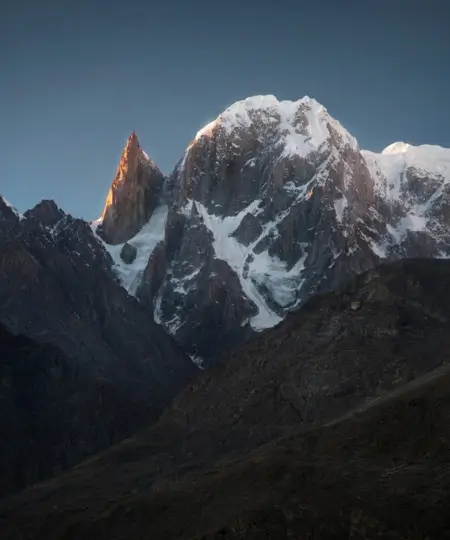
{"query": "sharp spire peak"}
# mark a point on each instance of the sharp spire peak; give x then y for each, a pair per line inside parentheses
(133, 140)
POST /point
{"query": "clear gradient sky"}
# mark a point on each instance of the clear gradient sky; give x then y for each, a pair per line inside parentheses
(76, 77)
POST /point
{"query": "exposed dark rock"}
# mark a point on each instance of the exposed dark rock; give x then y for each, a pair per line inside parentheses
(154, 275)
(128, 253)
(46, 213)
(57, 287)
(248, 230)
(9, 220)
(218, 301)
(201, 285)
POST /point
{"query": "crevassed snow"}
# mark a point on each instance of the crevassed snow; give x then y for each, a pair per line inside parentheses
(145, 242)
(284, 115)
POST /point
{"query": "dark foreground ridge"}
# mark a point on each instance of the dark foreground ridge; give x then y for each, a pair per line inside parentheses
(109, 369)
(53, 412)
(265, 445)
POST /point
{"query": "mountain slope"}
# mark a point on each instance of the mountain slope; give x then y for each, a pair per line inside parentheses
(368, 476)
(57, 287)
(342, 349)
(272, 203)
(54, 412)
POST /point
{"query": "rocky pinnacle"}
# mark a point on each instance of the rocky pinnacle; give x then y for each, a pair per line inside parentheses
(133, 194)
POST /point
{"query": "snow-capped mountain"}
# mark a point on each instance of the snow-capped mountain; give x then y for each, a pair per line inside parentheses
(413, 191)
(271, 203)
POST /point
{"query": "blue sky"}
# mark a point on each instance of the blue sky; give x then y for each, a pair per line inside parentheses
(78, 77)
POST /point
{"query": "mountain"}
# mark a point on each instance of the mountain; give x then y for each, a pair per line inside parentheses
(272, 203)
(333, 424)
(133, 195)
(54, 412)
(57, 287)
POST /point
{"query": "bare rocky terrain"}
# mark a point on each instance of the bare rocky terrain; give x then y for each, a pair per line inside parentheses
(119, 368)
(334, 424)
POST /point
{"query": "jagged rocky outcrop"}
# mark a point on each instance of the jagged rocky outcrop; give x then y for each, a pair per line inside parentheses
(9, 219)
(133, 195)
(57, 287)
(128, 253)
(210, 288)
(282, 195)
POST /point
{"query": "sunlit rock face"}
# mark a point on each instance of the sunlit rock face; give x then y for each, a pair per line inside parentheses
(133, 194)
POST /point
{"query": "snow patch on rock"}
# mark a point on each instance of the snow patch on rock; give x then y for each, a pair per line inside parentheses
(255, 270)
(388, 168)
(339, 207)
(144, 241)
(235, 255)
(390, 171)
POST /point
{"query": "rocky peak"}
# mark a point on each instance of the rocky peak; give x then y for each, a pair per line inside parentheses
(272, 202)
(133, 194)
(254, 148)
(9, 219)
(56, 286)
(131, 151)
(7, 211)
(46, 212)
(299, 127)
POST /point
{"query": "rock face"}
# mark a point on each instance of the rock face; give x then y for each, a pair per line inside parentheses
(9, 220)
(57, 287)
(323, 366)
(128, 253)
(272, 203)
(133, 195)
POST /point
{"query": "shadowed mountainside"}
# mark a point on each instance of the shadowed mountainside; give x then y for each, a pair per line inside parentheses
(57, 288)
(383, 472)
(53, 412)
